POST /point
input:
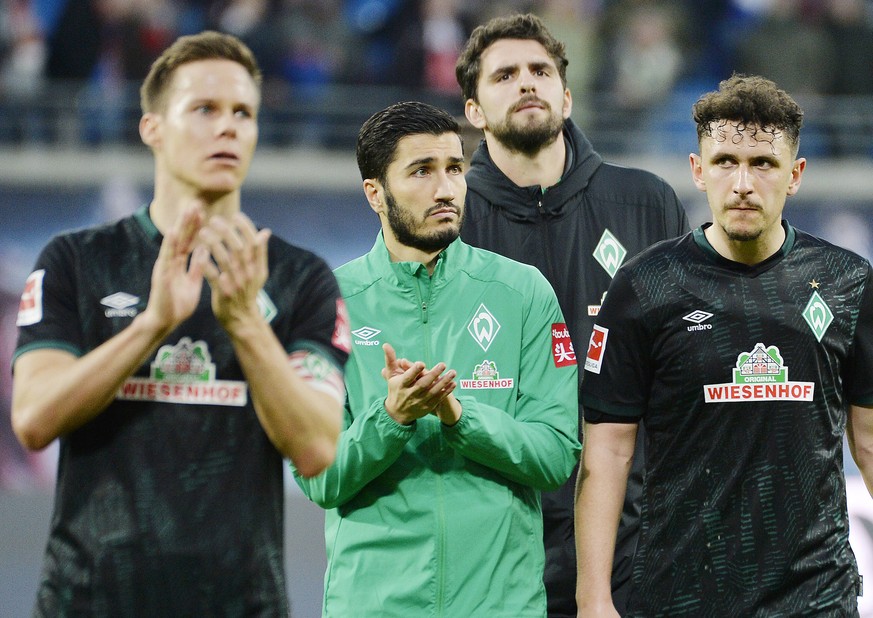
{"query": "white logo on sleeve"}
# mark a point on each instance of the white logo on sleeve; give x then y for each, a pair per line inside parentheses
(30, 307)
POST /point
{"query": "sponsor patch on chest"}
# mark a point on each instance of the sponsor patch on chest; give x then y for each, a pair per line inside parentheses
(184, 373)
(759, 375)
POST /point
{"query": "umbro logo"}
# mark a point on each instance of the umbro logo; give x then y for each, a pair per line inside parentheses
(698, 317)
(120, 305)
(365, 334)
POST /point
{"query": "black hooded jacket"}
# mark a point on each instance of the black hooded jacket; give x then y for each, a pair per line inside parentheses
(596, 210)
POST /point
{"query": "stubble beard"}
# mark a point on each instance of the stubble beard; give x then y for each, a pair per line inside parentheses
(403, 225)
(740, 233)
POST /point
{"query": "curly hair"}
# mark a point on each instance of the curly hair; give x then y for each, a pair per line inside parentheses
(207, 45)
(748, 101)
(524, 27)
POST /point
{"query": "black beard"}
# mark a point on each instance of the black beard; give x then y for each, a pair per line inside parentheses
(403, 226)
(530, 139)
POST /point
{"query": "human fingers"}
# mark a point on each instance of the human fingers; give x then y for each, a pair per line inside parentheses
(438, 384)
(188, 225)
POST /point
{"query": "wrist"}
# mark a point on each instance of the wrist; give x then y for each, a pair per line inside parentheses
(450, 412)
(151, 326)
(400, 419)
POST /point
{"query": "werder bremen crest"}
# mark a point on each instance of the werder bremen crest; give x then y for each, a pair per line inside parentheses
(818, 315)
(609, 253)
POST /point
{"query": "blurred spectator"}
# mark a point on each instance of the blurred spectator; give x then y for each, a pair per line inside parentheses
(577, 24)
(849, 25)
(443, 36)
(376, 27)
(22, 62)
(851, 33)
(788, 45)
(103, 44)
(644, 40)
(22, 49)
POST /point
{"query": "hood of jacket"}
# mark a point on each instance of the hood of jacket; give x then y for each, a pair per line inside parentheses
(494, 187)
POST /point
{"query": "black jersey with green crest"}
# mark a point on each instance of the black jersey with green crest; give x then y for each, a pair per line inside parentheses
(742, 376)
(169, 502)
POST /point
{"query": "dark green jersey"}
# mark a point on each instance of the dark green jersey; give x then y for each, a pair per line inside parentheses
(169, 502)
(742, 376)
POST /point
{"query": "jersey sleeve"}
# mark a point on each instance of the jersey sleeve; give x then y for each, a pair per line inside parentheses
(48, 314)
(369, 444)
(538, 446)
(618, 365)
(859, 377)
(320, 322)
(317, 338)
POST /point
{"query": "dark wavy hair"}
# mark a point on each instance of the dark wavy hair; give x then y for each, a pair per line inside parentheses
(207, 45)
(525, 27)
(748, 101)
(379, 135)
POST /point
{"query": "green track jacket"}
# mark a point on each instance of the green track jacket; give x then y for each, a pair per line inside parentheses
(430, 520)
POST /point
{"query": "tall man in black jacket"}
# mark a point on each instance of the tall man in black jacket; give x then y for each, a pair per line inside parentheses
(540, 194)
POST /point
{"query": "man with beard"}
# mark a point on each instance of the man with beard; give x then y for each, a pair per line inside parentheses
(746, 348)
(461, 401)
(540, 194)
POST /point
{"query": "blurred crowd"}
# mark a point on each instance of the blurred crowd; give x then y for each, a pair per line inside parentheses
(638, 49)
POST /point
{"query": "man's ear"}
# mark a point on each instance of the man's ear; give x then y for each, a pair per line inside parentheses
(373, 191)
(149, 129)
(796, 176)
(474, 114)
(697, 171)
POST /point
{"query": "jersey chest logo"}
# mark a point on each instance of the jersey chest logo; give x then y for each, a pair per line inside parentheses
(486, 376)
(609, 253)
(818, 315)
(483, 326)
(184, 373)
(759, 375)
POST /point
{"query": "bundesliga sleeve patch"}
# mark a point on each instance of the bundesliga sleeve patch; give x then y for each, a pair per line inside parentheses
(319, 373)
(562, 347)
(30, 307)
(596, 349)
(342, 338)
